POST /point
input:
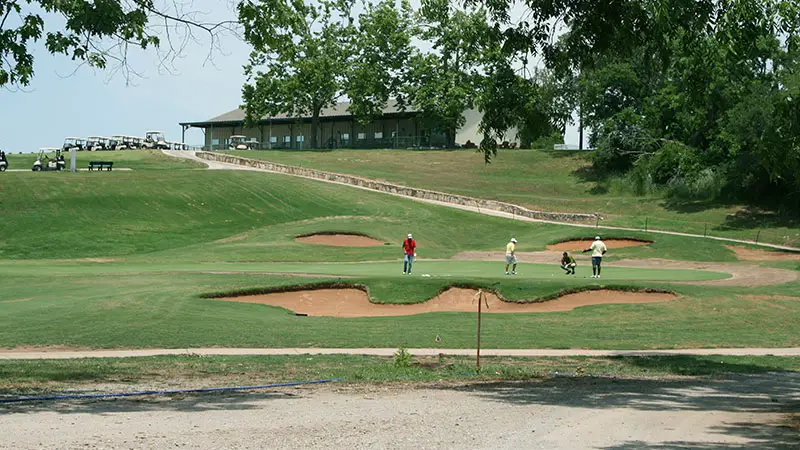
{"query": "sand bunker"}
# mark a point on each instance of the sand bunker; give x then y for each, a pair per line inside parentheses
(750, 254)
(583, 244)
(355, 302)
(339, 240)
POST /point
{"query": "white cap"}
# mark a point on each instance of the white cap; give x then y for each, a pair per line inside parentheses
(409, 235)
(597, 238)
(514, 240)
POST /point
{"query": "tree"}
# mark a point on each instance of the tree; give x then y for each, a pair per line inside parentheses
(307, 57)
(97, 33)
(378, 57)
(301, 48)
(445, 81)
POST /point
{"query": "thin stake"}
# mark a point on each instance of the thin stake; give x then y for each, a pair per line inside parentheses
(478, 358)
(758, 235)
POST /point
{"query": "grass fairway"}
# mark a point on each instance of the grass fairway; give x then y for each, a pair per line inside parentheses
(124, 260)
(543, 180)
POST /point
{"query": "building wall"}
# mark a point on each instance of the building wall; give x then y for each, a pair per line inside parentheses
(469, 131)
(348, 133)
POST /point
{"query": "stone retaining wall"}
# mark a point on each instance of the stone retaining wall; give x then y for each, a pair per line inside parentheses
(398, 190)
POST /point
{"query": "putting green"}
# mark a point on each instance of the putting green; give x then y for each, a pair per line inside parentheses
(386, 269)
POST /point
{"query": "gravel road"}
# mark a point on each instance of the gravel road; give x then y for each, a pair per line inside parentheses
(737, 412)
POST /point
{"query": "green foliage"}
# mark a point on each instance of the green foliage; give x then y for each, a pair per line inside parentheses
(92, 33)
(402, 358)
(706, 108)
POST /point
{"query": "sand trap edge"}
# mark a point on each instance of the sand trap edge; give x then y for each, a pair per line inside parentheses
(370, 241)
(365, 289)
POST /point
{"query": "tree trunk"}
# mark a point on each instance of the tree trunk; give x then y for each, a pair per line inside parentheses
(580, 127)
(450, 137)
(313, 144)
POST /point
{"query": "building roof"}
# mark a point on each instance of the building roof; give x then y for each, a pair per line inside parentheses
(236, 117)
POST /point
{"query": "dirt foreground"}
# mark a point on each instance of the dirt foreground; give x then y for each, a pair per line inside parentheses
(355, 303)
(738, 412)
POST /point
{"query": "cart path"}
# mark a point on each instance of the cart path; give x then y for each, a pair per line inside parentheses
(741, 274)
(59, 353)
(216, 165)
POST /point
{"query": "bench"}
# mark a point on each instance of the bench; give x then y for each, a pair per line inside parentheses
(100, 165)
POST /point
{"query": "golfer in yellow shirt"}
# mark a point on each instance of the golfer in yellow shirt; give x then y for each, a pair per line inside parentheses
(511, 257)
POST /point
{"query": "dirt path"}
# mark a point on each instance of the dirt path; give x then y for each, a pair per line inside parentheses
(215, 165)
(741, 274)
(65, 353)
(736, 412)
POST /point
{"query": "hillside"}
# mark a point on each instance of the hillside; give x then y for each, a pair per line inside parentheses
(550, 181)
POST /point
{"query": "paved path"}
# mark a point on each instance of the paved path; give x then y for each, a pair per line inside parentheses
(68, 354)
(216, 165)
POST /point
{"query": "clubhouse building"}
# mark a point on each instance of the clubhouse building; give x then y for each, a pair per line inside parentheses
(337, 129)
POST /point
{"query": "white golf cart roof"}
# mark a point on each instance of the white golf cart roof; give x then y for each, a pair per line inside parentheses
(237, 136)
(74, 138)
(49, 149)
(97, 137)
(155, 132)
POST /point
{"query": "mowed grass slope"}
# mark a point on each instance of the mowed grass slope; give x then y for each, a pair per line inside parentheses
(193, 215)
(162, 239)
(542, 180)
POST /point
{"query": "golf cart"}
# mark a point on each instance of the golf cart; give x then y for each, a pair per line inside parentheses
(129, 143)
(155, 140)
(95, 143)
(3, 161)
(117, 142)
(241, 143)
(73, 142)
(47, 163)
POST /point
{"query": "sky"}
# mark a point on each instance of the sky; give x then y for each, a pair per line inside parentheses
(66, 100)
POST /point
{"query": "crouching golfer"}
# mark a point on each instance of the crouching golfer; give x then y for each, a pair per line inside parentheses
(409, 252)
(511, 257)
(568, 263)
(598, 249)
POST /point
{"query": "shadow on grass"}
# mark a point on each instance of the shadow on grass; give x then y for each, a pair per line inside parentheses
(691, 206)
(228, 401)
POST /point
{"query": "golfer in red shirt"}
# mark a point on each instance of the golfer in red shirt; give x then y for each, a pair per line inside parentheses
(410, 251)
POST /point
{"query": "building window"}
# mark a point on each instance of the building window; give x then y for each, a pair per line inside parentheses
(345, 136)
(379, 135)
(287, 139)
(362, 136)
(301, 138)
(273, 139)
